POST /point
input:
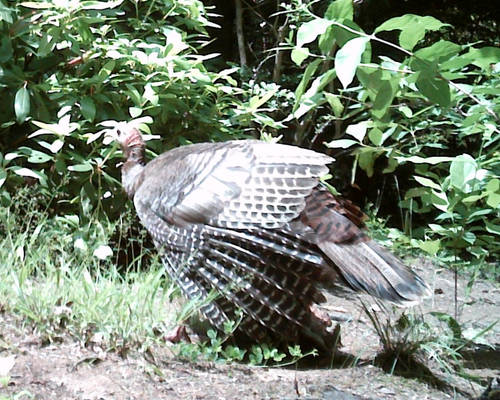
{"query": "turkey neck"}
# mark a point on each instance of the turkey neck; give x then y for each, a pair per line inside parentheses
(133, 150)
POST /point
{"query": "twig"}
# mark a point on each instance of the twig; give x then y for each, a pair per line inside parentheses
(278, 59)
(239, 33)
(470, 95)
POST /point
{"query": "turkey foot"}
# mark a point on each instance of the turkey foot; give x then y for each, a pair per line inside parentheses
(177, 335)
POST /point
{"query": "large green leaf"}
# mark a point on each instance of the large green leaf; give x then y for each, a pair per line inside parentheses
(301, 87)
(340, 9)
(357, 130)
(439, 51)
(413, 28)
(309, 31)
(22, 104)
(463, 170)
(348, 58)
(483, 57)
(435, 88)
(341, 143)
(299, 54)
(384, 98)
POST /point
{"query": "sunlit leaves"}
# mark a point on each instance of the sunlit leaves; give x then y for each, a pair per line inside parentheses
(413, 28)
(434, 87)
(299, 54)
(483, 57)
(309, 31)
(340, 9)
(439, 52)
(357, 130)
(348, 58)
(463, 170)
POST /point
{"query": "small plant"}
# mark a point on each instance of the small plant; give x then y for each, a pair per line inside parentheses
(415, 342)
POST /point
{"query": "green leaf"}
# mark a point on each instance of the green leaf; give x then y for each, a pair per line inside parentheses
(406, 111)
(492, 228)
(327, 40)
(6, 51)
(299, 54)
(37, 4)
(340, 9)
(427, 182)
(348, 58)
(3, 176)
(342, 36)
(413, 28)
(358, 130)
(106, 70)
(493, 200)
(309, 31)
(439, 200)
(100, 5)
(257, 101)
(45, 45)
(301, 87)
(434, 88)
(392, 164)
(341, 144)
(439, 51)
(320, 82)
(483, 57)
(31, 174)
(375, 136)
(335, 104)
(367, 161)
(22, 104)
(463, 171)
(493, 185)
(87, 107)
(425, 160)
(135, 111)
(430, 246)
(383, 99)
(37, 157)
(308, 103)
(6, 13)
(80, 168)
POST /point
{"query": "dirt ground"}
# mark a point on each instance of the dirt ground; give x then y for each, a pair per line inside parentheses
(68, 371)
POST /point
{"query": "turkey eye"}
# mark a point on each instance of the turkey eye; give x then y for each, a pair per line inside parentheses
(118, 132)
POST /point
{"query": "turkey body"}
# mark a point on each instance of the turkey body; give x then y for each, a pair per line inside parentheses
(251, 222)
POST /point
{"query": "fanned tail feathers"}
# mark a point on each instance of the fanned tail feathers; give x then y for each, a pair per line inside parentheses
(364, 265)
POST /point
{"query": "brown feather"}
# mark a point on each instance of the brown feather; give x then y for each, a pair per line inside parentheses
(250, 221)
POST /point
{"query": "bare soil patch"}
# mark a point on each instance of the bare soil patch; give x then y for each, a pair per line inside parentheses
(69, 371)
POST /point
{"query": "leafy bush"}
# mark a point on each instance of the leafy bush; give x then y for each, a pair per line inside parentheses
(434, 112)
(427, 118)
(66, 66)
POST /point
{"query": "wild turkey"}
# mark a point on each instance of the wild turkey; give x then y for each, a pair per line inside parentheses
(250, 221)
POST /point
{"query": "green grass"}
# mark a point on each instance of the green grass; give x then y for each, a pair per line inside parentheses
(57, 285)
(51, 278)
(56, 281)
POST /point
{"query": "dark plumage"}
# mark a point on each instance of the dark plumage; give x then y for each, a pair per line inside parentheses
(250, 221)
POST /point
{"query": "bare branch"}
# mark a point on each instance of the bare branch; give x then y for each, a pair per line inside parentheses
(239, 33)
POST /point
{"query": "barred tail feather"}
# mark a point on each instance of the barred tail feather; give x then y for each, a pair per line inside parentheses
(368, 267)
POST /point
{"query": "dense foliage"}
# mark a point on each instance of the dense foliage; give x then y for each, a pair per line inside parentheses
(419, 120)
